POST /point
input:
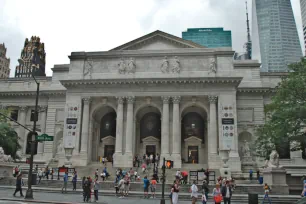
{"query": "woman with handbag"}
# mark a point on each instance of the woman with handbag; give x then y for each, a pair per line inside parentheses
(176, 189)
(217, 194)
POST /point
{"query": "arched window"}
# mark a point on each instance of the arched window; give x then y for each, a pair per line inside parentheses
(150, 125)
(193, 125)
(108, 125)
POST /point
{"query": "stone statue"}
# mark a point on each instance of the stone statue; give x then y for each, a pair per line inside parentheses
(131, 68)
(213, 65)
(165, 65)
(176, 66)
(246, 149)
(88, 65)
(122, 67)
(4, 157)
(59, 146)
(273, 161)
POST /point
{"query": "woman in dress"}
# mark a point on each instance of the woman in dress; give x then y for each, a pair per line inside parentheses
(217, 194)
(176, 189)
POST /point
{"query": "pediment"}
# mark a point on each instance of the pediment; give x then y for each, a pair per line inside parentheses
(193, 139)
(150, 139)
(158, 40)
(108, 138)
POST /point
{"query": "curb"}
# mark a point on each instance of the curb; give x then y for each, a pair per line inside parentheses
(35, 201)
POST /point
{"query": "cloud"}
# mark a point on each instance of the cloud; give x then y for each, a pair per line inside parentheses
(94, 25)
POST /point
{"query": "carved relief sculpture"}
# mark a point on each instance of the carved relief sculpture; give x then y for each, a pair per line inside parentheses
(60, 146)
(273, 161)
(165, 65)
(131, 68)
(246, 149)
(121, 66)
(213, 66)
(88, 68)
(176, 66)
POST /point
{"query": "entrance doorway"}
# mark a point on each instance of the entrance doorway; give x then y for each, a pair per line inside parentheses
(193, 154)
(150, 149)
(109, 150)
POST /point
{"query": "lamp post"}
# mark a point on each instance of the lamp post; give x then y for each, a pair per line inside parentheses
(29, 193)
(162, 201)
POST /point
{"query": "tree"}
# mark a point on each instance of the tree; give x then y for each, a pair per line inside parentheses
(285, 115)
(8, 137)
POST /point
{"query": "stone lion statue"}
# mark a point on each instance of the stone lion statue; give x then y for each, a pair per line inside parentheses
(273, 161)
(3, 157)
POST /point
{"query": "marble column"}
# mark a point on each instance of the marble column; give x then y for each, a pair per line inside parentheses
(213, 132)
(21, 130)
(165, 129)
(119, 132)
(129, 125)
(43, 112)
(85, 126)
(176, 131)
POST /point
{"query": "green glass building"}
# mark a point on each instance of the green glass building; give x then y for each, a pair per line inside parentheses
(209, 37)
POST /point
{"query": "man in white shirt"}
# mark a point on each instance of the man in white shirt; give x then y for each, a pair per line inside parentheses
(194, 192)
(227, 193)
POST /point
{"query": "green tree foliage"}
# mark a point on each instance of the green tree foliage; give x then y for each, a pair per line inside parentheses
(285, 115)
(8, 137)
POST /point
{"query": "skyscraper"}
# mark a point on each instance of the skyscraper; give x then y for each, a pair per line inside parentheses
(209, 37)
(303, 12)
(32, 60)
(4, 63)
(275, 38)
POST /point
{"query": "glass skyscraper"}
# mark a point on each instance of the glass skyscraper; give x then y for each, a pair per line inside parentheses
(209, 37)
(303, 12)
(275, 38)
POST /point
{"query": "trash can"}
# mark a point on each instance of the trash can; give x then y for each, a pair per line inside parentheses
(260, 180)
(34, 178)
(253, 198)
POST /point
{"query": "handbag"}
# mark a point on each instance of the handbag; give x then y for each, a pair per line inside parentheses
(218, 198)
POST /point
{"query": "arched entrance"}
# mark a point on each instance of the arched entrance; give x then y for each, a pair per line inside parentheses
(30, 138)
(148, 131)
(104, 133)
(194, 135)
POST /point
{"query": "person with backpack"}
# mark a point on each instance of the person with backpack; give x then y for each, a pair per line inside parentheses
(146, 184)
(19, 184)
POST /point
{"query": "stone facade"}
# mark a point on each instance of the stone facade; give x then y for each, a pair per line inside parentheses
(132, 100)
(4, 63)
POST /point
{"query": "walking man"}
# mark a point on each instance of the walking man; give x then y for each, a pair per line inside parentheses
(227, 193)
(65, 182)
(74, 180)
(96, 189)
(19, 183)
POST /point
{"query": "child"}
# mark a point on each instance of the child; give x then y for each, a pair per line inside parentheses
(204, 199)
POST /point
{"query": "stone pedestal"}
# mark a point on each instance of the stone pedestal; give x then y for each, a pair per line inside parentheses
(225, 172)
(276, 179)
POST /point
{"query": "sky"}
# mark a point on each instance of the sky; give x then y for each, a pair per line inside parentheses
(100, 25)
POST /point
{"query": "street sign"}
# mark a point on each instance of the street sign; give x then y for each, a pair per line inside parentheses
(44, 137)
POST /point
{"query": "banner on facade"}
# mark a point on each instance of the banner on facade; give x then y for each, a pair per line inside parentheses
(228, 126)
(71, 125)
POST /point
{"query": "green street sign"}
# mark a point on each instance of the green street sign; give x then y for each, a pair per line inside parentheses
(44, 137)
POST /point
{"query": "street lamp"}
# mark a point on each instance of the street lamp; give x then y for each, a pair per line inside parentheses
(162, 201)
(29, 193)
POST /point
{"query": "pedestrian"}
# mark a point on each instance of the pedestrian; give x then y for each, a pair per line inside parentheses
(304, 191)
(51, 173)
(103, 160)
(74, 180)
(178, 174)
(251, 174)
(103, 176)
(116, 185)
(144, 168)
(47, 172)
(96, 189)
(132, 174)
(106, 173)
(258, 174)
(157, 159)
(194, 192)
(65, 182)
(97, 174)
(40, 175)
(153, 187)
(207, 176)
(126, 185)
(217, 194)
(204, 198)
(267, 190)
(146, 184)
(176, 189)
(205, 189)
(121, 188)
(36, 168)
(19, 184)
(227, 193)
(86, 194)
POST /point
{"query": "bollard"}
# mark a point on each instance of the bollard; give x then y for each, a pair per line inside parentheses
(253, 198)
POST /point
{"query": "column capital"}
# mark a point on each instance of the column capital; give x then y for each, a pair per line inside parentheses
(86, 100)
(120, 99)
(212, 98)
(165, 99)
(3, 107)
(176, 99)
(23, 108)
(43, 108)
(130, 99)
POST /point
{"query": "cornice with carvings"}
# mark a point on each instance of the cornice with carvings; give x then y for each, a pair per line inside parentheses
(256, 90)
(232, 80)
(33, 93)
